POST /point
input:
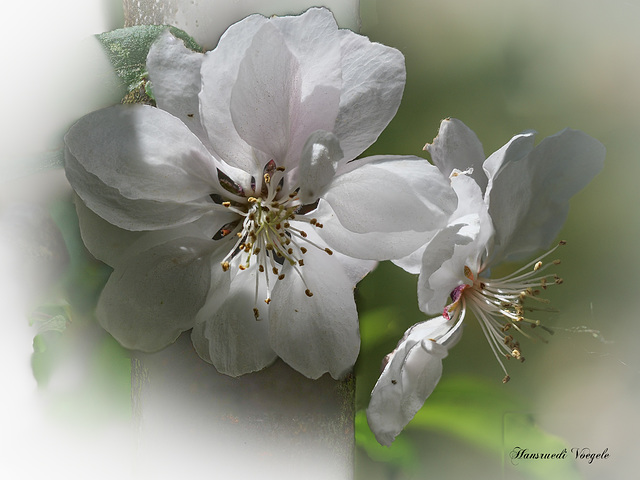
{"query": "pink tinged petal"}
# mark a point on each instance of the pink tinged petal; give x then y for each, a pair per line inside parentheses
(316, 334)
(458, 147)
(129, 214)
(320, 157)
(391, 194)
(154, 295)
(144, 153)
(218, 75)
(413, 370)
(174, 71)
(529, 195)
(266, 92)
(443, 263)
(371, 246)
(227, 333)
(373, 78)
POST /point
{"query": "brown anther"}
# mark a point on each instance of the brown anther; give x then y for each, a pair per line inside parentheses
(308, 293)
(290, 251)
(319, 225)
(329, 251)
(256, 250)
(506, 379)
(261, 268)
(508, 339)
(269, 246)
(225, 266)
(280, 169)
(521, 359)
(256, 313)
(242, 267)
(281, 276)
(301, 262)
(559, 281)
(557, 262)
(267, 300)
(562, 242)
(226, 204)
(303, 233)
(303, 250)
(275, 271)
(482, 285)
(313, 221)
(287, 224)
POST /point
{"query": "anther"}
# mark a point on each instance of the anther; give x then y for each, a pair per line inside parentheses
(308, 293)
(225, 266)
(303, 249)
(301, 262)
(537, 266)
(261, 268)
(506, 379)
(256, 313)
(275, 271)
(329, 251)
(226, 204)
(267, 300)
(252, 199)
(281, 276)
(562, 242)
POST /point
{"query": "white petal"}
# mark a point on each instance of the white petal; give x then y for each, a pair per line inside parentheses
(320, 157)
(315, 334)
(174, 71)
(442, 269)
(458, 147)
(387, 194)
(143, 152)
(410, 376)
(528, 195)
(227, 333)
(266, 91)
(370, 246)
(219, 73)
(154, 295)
(373, 78)
(135, 215)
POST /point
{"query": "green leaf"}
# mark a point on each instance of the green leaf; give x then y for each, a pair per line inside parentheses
(127, 49)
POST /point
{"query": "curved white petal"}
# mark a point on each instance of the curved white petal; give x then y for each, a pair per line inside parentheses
(458, 147)
(369, 246)
(387, 194)
(373, 78)
(528, 195)
(174, 71)
(154, 295)
(144, 153)
(135, 215)
(316, 334)
(219, 73)
(318, 164)
(227, 333)
(412, 371)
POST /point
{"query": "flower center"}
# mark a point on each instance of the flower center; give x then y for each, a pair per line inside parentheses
(505, 304)
(265, 236)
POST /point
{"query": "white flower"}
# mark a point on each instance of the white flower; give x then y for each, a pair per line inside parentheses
(220, 210)
(510, 205)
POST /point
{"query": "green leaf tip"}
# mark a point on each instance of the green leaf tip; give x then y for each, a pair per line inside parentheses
(127, 49)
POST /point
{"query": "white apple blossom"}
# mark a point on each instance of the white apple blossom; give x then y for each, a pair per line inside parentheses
(236, 209)
(510, 205)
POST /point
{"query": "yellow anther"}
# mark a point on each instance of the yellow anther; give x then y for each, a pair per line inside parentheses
(225, 266)
(267, 301)
(226, 204)
(252, 199)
